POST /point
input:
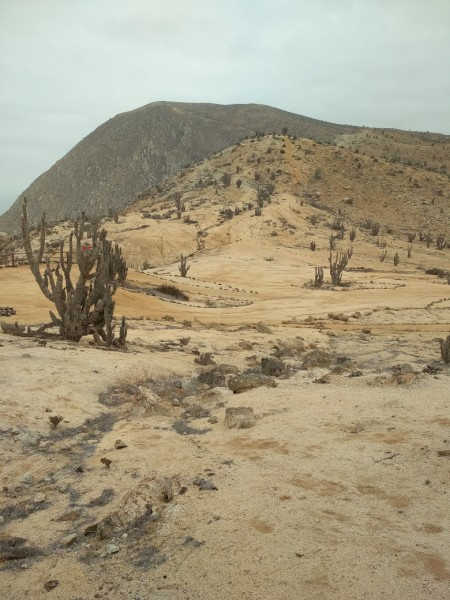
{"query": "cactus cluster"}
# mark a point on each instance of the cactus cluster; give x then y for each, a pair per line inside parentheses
(84, 307)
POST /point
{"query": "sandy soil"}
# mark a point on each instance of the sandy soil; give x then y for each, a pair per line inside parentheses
(339, 490)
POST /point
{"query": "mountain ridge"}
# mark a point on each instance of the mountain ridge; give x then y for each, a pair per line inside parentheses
(128, 153)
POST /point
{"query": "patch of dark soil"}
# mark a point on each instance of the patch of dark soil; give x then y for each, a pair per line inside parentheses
(190, 541)
(183, 428)
(105, 497)
(117, 396)
(195, 411)
(22, 510)
(436, 271)
(16, 548)
(149, 558)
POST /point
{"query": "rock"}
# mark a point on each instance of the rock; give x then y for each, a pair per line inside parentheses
(146, 402)
(50, 585)
(272, 366)
(443, 452)
(137, 505)
(317, 358)
(216, 376)
(69, 540)
(240, 417)
(27, 478)
(119, 444)
(112, 549)
(246, 345)
(2, 520)
(39, 498)
(204, 484)
(247, 381)
(261, 328)
(291, 347)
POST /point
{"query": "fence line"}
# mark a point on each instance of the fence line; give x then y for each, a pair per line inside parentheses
(15, 259)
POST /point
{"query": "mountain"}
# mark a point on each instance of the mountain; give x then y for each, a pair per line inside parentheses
(136, 150)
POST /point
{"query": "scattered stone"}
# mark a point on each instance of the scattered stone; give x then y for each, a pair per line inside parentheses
(50, 585)
(39, 498)
(290, 347)
(106, 461)
(2, 519)
(356, 374)
(27, 478)
(323, 379)
(216, 376)
(366, 330)
(240, 417)
(272, 366)
(443, 452)
(213, 420)
(7, 311)
(190, 541)
(69, 540)
(119, 444)
(111, 549)
(317, 358)
(246, 345)
(205, 358)
(204, 484)
(432, 369)
(261, 328)
(247, 381)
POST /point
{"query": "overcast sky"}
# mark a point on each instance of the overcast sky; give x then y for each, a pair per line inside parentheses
(66, 66)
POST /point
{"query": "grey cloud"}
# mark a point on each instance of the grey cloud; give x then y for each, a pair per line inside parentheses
(68, 66)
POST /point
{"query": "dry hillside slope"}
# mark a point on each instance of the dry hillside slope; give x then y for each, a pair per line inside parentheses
(124, 473)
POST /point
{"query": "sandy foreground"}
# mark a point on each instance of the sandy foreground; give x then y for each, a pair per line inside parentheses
(339, 490)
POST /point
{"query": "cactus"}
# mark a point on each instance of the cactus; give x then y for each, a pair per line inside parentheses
(85, 307)
(445, 350)
(183, 267)
(318, 277)
(337, 266)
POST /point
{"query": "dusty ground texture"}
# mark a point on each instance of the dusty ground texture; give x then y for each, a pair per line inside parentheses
(339, 489)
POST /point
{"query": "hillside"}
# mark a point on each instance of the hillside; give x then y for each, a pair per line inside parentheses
(336, 485)
(134, 150)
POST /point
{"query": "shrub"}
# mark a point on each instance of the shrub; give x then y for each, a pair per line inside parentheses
(172, 290)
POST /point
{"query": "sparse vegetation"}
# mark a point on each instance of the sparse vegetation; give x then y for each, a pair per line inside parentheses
(172, 290)
(85, 307)
(318, 277)
(445, 350)
(183, 267)
(338, 263)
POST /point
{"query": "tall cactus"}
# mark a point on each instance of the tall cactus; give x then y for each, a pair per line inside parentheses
(84, 307)
(183, 267)
(445, 350)
(337, 266)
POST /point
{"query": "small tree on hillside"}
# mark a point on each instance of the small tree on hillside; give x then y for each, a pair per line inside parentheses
(85, 307)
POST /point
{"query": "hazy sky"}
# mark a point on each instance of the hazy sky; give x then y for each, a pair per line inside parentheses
(66, 66)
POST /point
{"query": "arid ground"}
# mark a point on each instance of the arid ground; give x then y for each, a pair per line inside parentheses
(338, 489)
